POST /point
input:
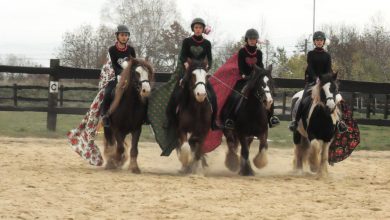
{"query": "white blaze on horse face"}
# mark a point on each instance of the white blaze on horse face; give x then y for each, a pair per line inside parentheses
(200, 84)
(267, 93)
(329, 96)
(145, 85)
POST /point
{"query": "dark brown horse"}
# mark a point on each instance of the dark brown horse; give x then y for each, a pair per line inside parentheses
(250, 121)
(194, 116)
(128, 113)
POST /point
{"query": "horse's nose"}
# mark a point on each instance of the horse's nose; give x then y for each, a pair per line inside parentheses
(200, 96)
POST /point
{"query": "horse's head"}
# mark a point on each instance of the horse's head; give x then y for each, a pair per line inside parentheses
(196, 79)
(141, 76)
(327, 91)
(261, 84)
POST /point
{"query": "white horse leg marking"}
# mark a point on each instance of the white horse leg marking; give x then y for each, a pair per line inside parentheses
(324, 159)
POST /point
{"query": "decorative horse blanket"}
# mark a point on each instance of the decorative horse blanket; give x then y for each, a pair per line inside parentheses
(223, 82)
(82, 138)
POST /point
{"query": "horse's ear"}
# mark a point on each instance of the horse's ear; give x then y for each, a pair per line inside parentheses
(205, 62)
(334, 75)
(269, 68)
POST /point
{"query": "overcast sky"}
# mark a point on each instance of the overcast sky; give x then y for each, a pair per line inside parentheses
(34, 28)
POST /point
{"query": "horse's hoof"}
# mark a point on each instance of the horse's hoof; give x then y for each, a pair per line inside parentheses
(246, 172)
(110, 166)
(232, 162)
(185, 170)
(135, 170)
(261, 160)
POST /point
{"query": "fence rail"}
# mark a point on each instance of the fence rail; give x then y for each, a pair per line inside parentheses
(353, 91)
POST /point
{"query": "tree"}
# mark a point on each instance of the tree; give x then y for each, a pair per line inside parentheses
(168, 48)
(146, 20)
(86, 47)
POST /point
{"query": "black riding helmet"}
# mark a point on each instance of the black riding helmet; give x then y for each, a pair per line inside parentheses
(197, 21)
(318, 35)
(122, 29)
(251, 34)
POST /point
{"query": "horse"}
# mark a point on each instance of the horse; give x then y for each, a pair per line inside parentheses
(250, 121)
(127, 114)
(316, 128)
(193, 119)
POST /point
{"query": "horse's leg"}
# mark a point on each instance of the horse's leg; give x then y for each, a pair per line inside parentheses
(134, 151)
(108, 156)
(314, 155)
(246, 169)
(302, 146)
(120, 149)
(232, 162)
(196, 149)
(323, 172)
(261, 159)
(184, 153)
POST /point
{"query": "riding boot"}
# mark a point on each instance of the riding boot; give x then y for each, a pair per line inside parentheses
(105, 106)
(273, 121)
(214, 106)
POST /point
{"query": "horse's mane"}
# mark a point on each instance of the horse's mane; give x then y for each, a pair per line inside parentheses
(316, 90)
(126, 79)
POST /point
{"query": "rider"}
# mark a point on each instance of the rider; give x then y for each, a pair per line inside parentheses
(120, 53)
(319, 62)
(248, 57)
(199, 48)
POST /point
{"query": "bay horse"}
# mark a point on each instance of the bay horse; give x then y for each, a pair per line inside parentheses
(193, 118)
(316, 128)
(250, 121)
(127, 114)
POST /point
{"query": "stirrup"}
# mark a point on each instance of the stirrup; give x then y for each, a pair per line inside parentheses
(293, 126)
(229, 124)
(274, 121)
(106, 121)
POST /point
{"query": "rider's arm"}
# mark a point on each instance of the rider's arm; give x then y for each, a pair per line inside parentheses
(241, 62)
(209, 55)
(260, 59)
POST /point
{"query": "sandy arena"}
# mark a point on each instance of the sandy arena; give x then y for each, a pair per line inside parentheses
(45, 179)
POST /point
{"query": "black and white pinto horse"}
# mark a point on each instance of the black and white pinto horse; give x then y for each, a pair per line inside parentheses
(316, 128)
(250, 121)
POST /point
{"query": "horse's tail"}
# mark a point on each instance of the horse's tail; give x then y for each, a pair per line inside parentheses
(108, 135)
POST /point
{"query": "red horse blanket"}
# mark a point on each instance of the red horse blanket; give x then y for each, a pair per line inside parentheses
(223, 82)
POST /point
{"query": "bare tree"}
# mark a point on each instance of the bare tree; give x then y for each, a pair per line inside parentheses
(146, 20)
(86, 47)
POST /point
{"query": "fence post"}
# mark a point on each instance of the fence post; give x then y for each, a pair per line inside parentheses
(15, 94)
(61, 95)
(284, 103)
(386, 113)
(52, 97)
(353, 97)
(368, 108)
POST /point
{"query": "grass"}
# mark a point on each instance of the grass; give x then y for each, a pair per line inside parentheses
(33, 124)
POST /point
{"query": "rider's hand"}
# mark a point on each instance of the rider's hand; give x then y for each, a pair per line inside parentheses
(180, 82)
(186, 65)
(243, 76)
